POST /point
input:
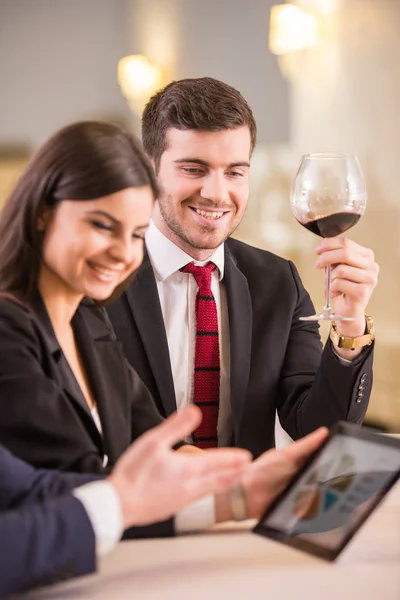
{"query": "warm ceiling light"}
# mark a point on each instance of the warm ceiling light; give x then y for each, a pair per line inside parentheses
(291, 29)
(138, 79)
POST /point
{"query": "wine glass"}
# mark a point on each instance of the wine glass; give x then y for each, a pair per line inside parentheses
(328, 197)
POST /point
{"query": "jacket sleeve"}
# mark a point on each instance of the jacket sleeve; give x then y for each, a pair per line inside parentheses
(319, 390)
(44, 543)
(31, 497)
(21, 485)
(45, 534)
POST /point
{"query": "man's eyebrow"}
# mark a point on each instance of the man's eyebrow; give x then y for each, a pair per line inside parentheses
(204, 163)
(241, 163)
(197, 161)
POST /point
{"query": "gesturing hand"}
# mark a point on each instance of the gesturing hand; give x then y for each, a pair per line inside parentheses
(154, 482)
(267, 476)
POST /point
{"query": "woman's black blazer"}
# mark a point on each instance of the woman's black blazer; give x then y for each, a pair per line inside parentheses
(44, 418)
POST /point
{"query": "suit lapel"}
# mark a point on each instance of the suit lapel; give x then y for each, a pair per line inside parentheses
(144, 303)
(103, 361)
(240, 327)
(60, 369)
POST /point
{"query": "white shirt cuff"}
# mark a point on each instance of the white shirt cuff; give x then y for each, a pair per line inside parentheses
(198, 516)
(342, 361)
(103, 507)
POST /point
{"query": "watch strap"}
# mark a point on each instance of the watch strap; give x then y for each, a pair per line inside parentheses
(353, 343)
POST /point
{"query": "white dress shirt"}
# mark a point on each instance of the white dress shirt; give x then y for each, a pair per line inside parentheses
(177, 292)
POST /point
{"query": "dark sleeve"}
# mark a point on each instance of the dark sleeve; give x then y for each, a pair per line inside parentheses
(38, 421)
(45, 534)
(45, 543)
(22, 485)
(319, 390)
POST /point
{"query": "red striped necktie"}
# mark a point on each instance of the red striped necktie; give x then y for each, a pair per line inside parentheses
(206, 364)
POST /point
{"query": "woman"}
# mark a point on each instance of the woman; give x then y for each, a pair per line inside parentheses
(72, 230)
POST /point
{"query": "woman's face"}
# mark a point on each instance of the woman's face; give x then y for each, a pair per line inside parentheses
(91, 246)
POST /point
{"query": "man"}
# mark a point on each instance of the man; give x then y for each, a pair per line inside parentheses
(260, 358)
(50, 531)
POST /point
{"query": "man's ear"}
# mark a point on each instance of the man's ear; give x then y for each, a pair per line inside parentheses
(151, 161)
(44, 219)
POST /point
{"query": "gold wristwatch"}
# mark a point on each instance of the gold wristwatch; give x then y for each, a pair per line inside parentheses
(353, 343)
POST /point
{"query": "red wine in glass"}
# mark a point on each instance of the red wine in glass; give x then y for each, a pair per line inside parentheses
(328, 198)
(332, 225)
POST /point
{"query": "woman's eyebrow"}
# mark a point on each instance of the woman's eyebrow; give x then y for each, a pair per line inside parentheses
(103, 213)
(145, 226)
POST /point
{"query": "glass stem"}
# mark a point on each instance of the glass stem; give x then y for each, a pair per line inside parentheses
(327, 307)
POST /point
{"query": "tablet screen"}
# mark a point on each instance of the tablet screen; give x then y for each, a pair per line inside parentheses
(334, 495)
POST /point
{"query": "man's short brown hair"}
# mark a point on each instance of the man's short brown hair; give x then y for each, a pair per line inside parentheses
(204, 104)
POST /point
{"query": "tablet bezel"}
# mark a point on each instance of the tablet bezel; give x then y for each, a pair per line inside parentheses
(340, 428)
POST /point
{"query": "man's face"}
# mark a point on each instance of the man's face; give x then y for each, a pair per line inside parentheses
(204, 187)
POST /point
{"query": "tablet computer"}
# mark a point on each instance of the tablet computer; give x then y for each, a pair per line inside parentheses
(329, 499)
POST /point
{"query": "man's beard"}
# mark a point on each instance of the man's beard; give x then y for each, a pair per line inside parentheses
(195, 240)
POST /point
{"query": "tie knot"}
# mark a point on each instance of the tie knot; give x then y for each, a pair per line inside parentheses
(202, 275)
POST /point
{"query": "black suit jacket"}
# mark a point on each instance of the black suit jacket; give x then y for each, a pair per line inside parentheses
(44, 418)
(276, 360)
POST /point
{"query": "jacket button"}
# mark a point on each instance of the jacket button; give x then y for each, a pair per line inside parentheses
(363, 377)
(105, 460)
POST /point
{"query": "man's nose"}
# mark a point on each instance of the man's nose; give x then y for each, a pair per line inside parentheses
(215, 188)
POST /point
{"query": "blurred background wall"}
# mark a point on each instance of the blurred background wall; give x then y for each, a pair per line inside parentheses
(58, 63)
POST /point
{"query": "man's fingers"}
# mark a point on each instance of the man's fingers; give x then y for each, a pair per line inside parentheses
(212, 471)
(221, 458)
(342, 257)
(358, 292)
(177, 426)
(164, 436)
(353, 274)
(215, 481)
(300, 450)
(336, 243)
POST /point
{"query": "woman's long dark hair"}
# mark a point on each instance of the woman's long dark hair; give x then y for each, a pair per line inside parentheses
(83, 161)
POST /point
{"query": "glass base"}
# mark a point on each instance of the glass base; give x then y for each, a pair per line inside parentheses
(326, 315)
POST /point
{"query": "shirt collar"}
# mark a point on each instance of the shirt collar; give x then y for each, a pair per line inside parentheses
(167, 258)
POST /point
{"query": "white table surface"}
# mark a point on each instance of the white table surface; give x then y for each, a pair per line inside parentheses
(234, 563)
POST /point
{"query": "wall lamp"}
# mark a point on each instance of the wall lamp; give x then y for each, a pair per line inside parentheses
(292, 30)
(138, 79)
